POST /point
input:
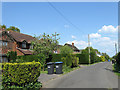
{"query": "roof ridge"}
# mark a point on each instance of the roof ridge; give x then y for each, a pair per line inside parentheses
(20, 33)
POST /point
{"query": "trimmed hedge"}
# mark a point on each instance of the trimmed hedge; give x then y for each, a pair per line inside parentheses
(56, 57)
(28, 58)
(83, 58)
(20, 74)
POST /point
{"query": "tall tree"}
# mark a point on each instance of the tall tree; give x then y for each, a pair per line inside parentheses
(3, 26)
(45, 45)
(13, 29)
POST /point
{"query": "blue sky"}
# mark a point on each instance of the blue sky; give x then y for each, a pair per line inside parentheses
(100, 20)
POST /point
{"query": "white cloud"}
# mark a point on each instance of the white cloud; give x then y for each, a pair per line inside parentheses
(73, 37)
(95, 35)
(66, 26)
(79, 44)
(108, 29)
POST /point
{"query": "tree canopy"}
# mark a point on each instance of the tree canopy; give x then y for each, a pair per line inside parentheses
(13, 28)
(45, 45)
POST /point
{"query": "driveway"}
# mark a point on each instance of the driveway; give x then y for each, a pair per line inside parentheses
(95, 76)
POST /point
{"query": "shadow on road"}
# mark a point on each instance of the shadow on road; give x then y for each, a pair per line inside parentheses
(110, 70)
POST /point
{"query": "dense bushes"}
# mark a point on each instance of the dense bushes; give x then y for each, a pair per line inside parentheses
(20, 74)
(68, 60)
(56, 57)
(117, 64)
(12, 56)
(83, 58)
(28, 58)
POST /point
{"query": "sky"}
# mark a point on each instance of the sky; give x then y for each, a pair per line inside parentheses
(72, 20)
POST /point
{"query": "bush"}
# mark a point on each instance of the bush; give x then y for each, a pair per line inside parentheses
(84, 58)
(56, 57)
(20, 74)
(28, 58)
(12, 56)
(75, 61)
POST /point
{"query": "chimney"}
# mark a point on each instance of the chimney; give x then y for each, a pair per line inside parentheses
(72, 44)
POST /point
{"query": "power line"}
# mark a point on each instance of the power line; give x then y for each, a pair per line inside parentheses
(64, 17)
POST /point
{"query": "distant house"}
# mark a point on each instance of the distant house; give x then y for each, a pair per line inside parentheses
(58, 49)
(14, 41)
(98, 54)
(75, 49)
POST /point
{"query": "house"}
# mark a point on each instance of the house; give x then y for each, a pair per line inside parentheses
(75, 49)
(14, 41)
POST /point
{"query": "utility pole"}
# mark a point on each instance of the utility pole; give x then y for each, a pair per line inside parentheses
(116, 48)
(89, 47)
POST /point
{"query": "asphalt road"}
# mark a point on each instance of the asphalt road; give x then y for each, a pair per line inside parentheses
(95, 76)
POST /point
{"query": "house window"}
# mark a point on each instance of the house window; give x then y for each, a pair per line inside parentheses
(3, 43)
(23, 44)
(0, 43)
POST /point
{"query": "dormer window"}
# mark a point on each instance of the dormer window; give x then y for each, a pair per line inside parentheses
(23, 44)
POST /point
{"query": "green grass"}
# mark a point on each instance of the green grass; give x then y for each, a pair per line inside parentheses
(117, 73)
(65, 70)
(44, 72)
(69, 69)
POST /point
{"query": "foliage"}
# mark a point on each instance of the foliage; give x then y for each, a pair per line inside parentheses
(56, 57)
(84, 56)
(65, 50)
(2, 26)
(20, 74)
(103, 58)
(12, 56)
(30, 58)
(36, 86)
(67, 69)
(13, 28)
(45, 44)
(106, 56)
(93, 56)
(69, 60)
(66, 53)
(75, 61)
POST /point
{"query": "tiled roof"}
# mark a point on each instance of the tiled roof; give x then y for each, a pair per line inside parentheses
(73, 47)
(25, 51)
(19, 37)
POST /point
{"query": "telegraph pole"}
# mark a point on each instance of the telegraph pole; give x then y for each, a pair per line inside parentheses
(89, 47)
(116, 48)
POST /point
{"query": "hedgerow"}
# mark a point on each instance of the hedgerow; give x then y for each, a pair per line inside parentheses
(20, 74)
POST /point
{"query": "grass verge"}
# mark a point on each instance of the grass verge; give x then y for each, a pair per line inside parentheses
(65, 70)
(116, 72)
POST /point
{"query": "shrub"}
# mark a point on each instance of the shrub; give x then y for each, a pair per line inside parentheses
(28, 58)
(69, 60)
(12, 56)
(56, 57)
(63, 59)
(75, 61)
(66, 50)
(83, 59)
(20, 74)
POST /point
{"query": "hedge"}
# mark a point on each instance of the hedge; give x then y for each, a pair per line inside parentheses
(83, 58)
(20, 74)
(28, 58)
(56, 57)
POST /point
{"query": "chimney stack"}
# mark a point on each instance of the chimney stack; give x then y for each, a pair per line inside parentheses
(72, 44)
